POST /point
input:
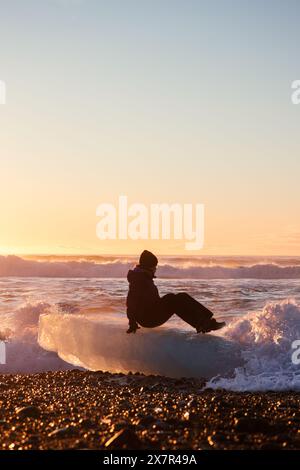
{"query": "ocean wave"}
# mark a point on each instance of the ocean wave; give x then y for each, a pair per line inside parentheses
(261, 342)
(19, 332)
(21, 267)
(265, 338)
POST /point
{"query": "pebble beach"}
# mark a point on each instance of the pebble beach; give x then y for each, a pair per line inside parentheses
(97, 410)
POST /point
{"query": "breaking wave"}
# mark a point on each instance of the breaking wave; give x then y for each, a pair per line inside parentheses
(265, 339)
(19, 332)
(259, 342)
(107, 268)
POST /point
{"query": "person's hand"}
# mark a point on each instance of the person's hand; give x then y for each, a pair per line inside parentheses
(133, 329)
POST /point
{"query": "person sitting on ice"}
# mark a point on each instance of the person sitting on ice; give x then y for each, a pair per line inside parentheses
(146, 308)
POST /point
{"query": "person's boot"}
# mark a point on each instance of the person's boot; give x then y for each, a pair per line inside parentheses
(210, 325)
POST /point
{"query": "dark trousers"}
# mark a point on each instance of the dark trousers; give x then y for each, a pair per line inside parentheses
(182, 304)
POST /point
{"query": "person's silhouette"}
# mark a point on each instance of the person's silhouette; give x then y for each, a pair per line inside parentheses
(146, 308)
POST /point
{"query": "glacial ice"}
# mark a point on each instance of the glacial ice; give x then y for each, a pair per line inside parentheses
(100, 342)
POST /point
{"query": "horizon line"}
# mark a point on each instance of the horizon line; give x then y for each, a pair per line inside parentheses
(135, 254)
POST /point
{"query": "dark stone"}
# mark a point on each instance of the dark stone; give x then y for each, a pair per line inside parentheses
(124, 439)
(86, 423)
(161, 425)
(28, 412)
(146, 420)
(252, 425)
(4, 386)
(62, 432)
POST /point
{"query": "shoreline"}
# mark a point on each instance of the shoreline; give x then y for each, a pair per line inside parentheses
(77, 409)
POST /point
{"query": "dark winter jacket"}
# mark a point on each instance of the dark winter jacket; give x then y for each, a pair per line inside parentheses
(142, 294)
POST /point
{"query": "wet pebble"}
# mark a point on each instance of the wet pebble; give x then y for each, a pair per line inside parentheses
(28, 412)
(124, 439)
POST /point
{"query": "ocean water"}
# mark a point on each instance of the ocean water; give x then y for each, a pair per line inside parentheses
(258, 297)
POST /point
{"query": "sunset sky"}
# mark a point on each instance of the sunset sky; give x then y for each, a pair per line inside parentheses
(162, 101)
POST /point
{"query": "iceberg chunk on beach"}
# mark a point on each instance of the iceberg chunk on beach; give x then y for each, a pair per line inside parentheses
(100, 342)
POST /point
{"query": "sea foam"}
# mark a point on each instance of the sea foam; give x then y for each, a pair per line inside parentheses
(19, 332)
(265, 339)
(253, 353)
